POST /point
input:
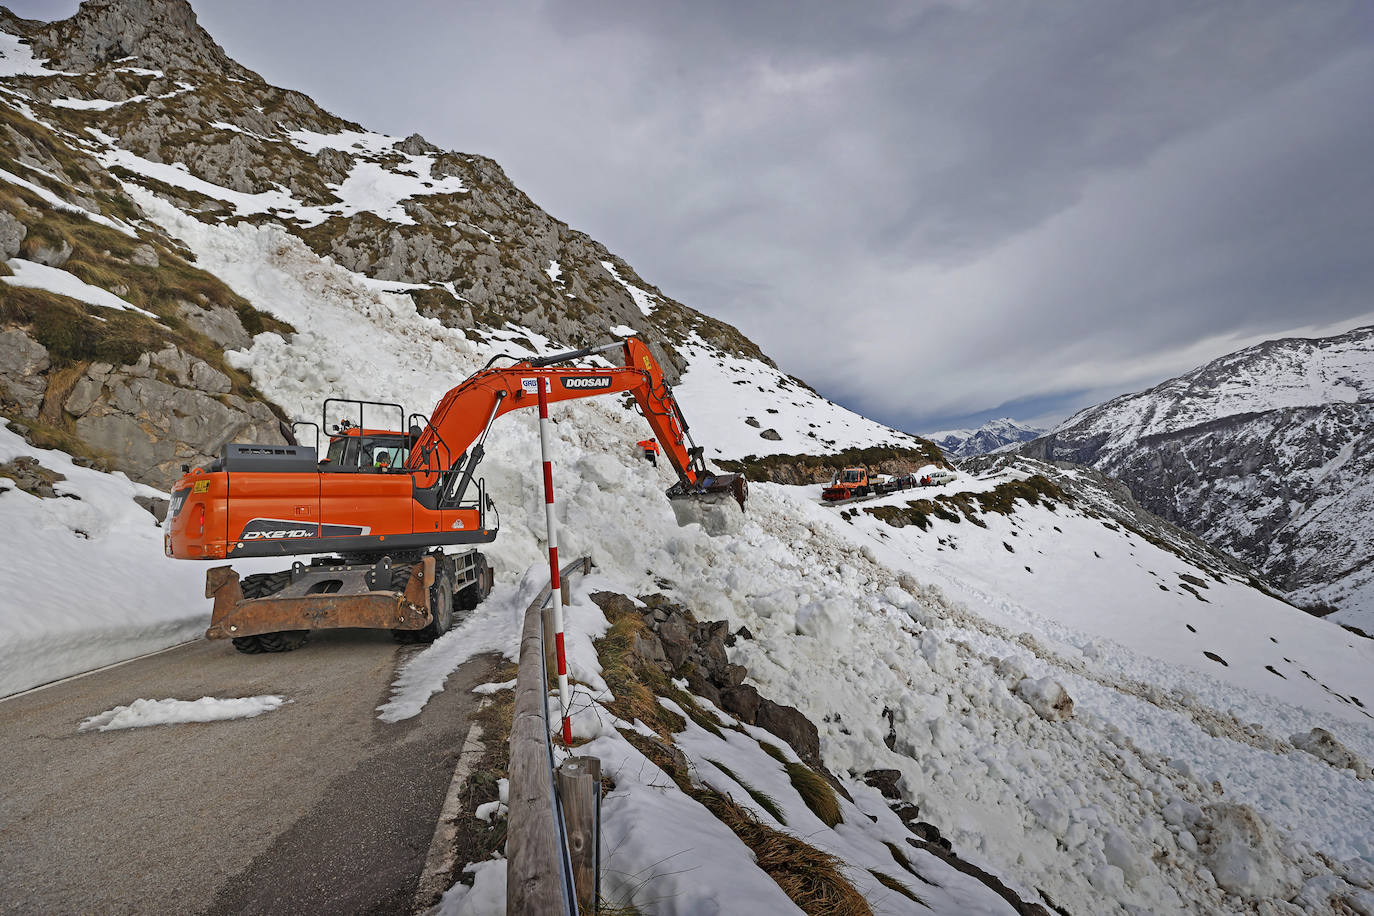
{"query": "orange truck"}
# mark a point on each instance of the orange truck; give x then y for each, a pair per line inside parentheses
(847, 484)
(376, 513)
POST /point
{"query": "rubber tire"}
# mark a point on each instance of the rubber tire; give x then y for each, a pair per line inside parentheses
(441, 610)
(472, 594)
(260, 585)
(441, 607)
(280, 641)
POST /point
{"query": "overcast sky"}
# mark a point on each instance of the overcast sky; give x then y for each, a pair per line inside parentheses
(934, 212)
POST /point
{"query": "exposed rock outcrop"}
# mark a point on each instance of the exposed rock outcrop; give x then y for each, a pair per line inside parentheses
(166, 410)
(159, 33)
(682, 647)
(23, 361)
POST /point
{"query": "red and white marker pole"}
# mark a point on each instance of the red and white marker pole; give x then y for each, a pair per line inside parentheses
(552, 522)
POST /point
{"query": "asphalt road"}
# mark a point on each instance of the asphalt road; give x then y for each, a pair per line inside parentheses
(316, 807)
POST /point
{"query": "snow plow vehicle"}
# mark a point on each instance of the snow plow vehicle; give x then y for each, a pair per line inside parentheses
(384, 503)
(853, 483)
(847, 484)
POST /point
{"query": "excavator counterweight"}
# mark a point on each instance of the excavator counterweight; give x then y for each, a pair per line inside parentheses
(386, 502)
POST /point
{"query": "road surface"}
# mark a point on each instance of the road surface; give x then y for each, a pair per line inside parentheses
(316, 807)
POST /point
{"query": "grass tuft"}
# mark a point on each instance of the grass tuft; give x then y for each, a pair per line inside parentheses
(894, 885)
(810, 878)
(777, 753)
(816, 792)
(762, 799)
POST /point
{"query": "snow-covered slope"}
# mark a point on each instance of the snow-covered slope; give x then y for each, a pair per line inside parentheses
(895, 640)
(945, 651)
(1265, 453)
(991, 436)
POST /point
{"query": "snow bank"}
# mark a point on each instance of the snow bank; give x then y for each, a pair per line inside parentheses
(84, 581)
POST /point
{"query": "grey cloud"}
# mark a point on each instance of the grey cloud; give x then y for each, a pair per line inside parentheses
(928, 210)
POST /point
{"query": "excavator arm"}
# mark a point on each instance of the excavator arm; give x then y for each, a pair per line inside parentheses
(455, 434)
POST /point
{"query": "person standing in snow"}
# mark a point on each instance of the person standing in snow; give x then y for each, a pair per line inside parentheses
(650, 447)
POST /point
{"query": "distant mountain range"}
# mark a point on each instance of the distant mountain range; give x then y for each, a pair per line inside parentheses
(992, 435)
(1267, 453)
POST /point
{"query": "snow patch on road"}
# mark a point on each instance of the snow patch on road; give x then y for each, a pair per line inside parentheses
(142, 713)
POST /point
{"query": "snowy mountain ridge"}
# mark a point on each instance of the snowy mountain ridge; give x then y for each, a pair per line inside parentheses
(991, 436)
(1264, 453)
(1086, 703)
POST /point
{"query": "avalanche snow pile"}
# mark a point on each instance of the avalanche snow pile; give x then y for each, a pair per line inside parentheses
(918, 650)
(1265, 453)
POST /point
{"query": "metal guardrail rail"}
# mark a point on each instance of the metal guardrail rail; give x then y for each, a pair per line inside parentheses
(540, 865)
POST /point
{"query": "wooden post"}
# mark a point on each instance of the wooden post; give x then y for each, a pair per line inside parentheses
(566, 587)
(579, 788)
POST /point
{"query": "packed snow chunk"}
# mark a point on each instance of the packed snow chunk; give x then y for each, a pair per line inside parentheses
(1047, 697)
(1109, 880)
(829, 620)
(1243, 856)
(486, 896)
(1124, 856)
(1051, 815)
(140, 713)
(602, 470)
(1321, 743)
(716, 515)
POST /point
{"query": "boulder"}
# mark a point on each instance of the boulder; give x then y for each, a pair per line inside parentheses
(219, 323)
(885, 781)
(23, 361)
(1322, 744)
(790, 725)
(51, 254)
(145, 256)
(31, 477)
(154, 504)
(12, 233)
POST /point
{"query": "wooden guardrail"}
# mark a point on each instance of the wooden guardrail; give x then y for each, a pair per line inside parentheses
(551, 845)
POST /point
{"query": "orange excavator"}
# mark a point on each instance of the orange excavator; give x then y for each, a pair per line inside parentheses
(383, 503)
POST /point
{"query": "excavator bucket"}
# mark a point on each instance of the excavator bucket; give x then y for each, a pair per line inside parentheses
(716, 503)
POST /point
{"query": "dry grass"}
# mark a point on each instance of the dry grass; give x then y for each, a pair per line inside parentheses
(810, 878)
(660, 754)
(816, 792)
(633, 697)
(762, 799)
(895, 886)
(777, 753)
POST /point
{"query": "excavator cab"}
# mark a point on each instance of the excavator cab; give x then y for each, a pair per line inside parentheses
(356, 449)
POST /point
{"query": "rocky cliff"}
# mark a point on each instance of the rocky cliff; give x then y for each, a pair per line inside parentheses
(116, 352)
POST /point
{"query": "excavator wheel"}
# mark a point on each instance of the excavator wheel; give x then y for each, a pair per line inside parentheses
(261, 585)
(440, 606)
(471, 595)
